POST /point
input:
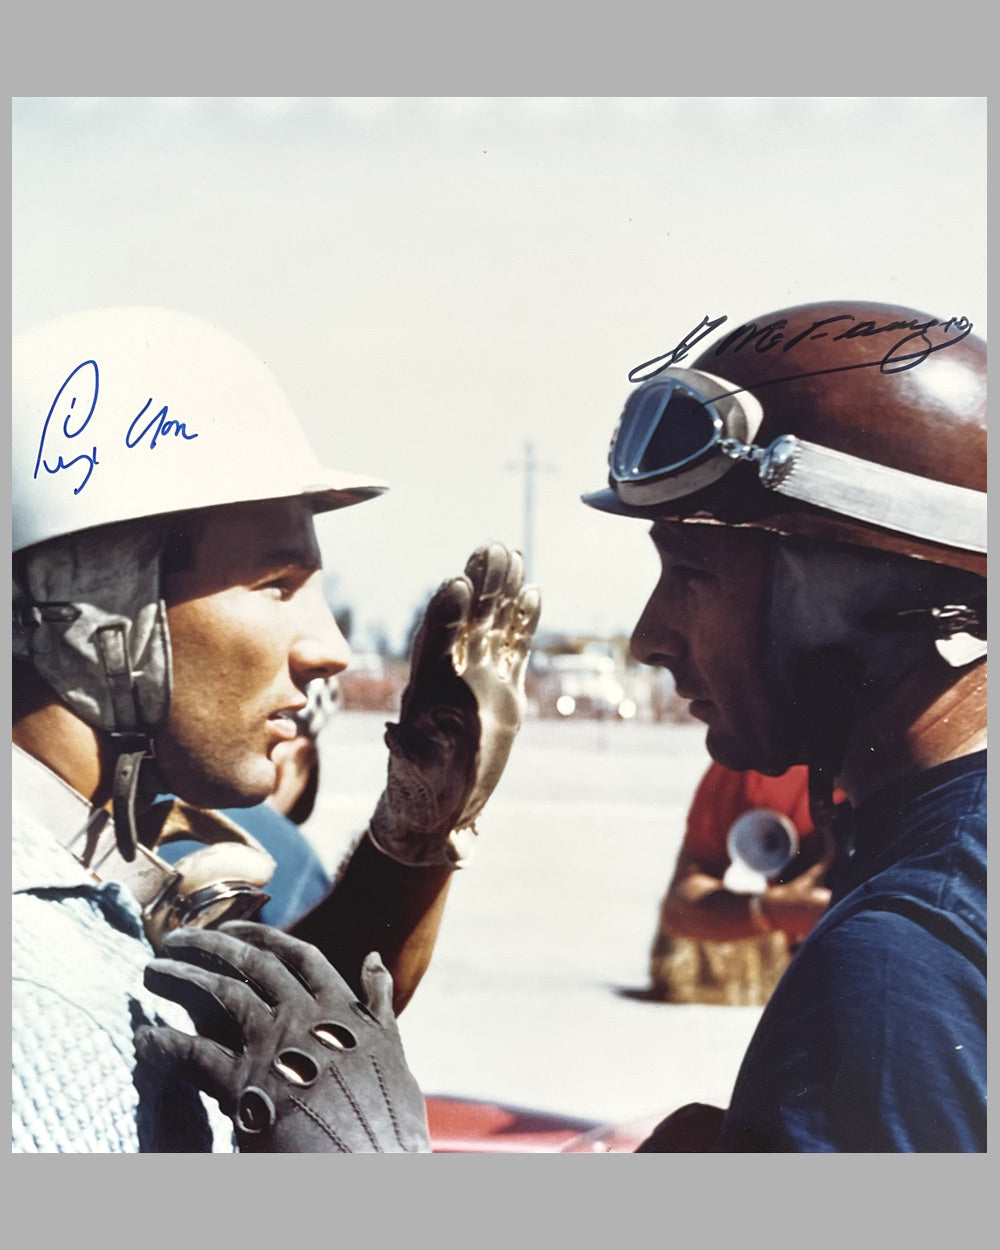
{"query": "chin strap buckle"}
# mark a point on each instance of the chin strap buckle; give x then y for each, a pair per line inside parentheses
(959, 629)
(962, 639)
(960, 618)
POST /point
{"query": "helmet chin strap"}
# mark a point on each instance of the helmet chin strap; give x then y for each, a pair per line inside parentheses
(125, 788)
(827, 685)
(89, 618)
(132, 743)
(822, 809)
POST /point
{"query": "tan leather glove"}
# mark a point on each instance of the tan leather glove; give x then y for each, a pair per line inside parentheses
(459, 713)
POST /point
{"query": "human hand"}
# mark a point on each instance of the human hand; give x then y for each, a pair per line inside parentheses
(459, 713)
(795, 906)
(285, 1046)
(691, 1129)
(295, 762)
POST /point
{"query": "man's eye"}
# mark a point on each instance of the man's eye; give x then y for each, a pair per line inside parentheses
(278, 589)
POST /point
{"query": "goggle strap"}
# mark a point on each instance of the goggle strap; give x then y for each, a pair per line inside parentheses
(938, 512)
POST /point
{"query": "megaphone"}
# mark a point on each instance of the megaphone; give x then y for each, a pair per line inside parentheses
(763, 841)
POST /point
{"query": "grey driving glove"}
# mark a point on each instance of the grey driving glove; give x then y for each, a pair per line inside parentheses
(290, 1053)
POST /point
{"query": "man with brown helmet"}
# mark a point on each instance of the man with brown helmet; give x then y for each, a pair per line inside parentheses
(816, 486)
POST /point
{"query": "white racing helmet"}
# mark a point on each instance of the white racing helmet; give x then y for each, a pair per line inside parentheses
(121, 415)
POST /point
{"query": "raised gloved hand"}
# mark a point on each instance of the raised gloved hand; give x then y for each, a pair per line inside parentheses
(459, 713)
(286, 1048)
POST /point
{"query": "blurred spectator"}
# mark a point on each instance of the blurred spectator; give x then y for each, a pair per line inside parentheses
(725, 940)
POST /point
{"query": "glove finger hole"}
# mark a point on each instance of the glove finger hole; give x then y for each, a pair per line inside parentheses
(364, 1012)
(335, 1036)
(296, 1066)
(255, 1112)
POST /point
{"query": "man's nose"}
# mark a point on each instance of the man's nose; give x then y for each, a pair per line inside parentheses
(320, 648)
(654, 641)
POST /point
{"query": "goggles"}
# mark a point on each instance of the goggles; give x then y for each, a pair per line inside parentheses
(223, 880)
(205, 908)
(685, 430)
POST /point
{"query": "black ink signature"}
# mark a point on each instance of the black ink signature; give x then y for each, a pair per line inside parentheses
(676, 353)
(90, 384)
(86, 376)
(906, 352)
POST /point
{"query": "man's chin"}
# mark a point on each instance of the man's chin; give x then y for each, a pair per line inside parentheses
(238, 799)
(214, 792)
(740, 756)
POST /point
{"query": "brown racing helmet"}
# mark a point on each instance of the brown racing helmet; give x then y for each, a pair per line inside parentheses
(855, 423)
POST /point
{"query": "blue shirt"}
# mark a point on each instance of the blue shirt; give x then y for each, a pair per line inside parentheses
(875, 1038)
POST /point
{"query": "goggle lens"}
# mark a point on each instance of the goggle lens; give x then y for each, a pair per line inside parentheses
(214, 905)
(664, 429)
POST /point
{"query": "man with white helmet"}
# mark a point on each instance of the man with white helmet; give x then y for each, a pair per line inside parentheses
(816, 485)
(168, 618)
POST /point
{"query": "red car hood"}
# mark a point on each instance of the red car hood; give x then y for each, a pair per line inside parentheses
(471, 1126)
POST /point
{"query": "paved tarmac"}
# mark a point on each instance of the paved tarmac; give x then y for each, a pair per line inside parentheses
(547, 933)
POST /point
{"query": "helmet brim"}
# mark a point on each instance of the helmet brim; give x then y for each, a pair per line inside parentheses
(811, 524)
(342, 491)
(607, 501)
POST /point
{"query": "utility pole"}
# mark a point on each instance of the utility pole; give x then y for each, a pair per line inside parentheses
(529, 466)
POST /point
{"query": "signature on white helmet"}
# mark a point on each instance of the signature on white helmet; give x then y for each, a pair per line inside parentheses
(122, 413)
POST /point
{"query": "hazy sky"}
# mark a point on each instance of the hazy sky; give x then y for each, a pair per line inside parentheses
(438, 282)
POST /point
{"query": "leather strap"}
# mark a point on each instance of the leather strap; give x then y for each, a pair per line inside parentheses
(874, 493)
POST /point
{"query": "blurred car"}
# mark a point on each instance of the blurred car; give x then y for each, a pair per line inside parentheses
(367, 685)
(474, 1126)
(585, 684)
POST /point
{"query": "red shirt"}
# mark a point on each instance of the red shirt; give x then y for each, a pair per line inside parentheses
(723, 795)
